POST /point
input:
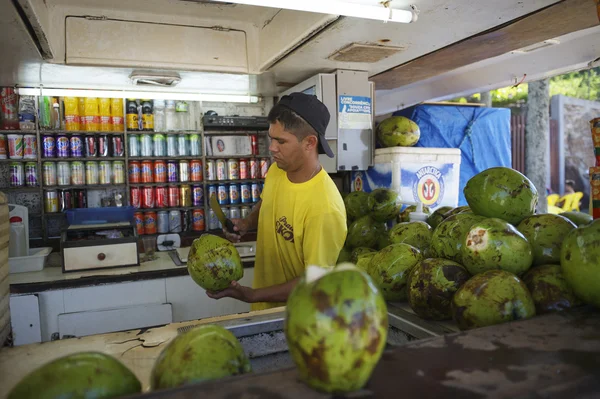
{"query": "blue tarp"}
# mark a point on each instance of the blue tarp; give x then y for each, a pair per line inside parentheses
(482, 134)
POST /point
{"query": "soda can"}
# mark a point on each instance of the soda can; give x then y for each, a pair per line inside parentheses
(160, 172)
(245, 193)
(196, 170)
(146, 145)
(51, 201)
(172, 172)
(118, 149)
(245, 212)
(255, 192)
(17, 174)
(185, 195)
(146, 172)
(195, 147)
(254, 172)
(134, 145)
(77, 173)
(210, 170)
(138, 218)
(76, 143)
(31, 178)
(91, 173)
(221, 167)
(15, 146)
(91, 146)
(183, 143)
(213, 222)
(264, 167)
(223, 194)
(65, 200)
(63, 174)
(29, 146)
(212, 190)
(171, 145)
(49, 146)
(161, 197)
(148, 197)
(173, 192)
(233, 169)
(160, 145)
(135, 197)
(227, 212)
(254, 143)
(9, 115)
(62, 147)
(234, 194)
(3, 146)
(197, 195)
(118, 170)
(175, 221)
(186, 220)
(150, 222)
(49, 173)
(103, 145)
(198, 223)
(163, 222)
(135, 172)
(243, 169)
(184, 171)
(80, 198)
(105, 173)
(235, 213)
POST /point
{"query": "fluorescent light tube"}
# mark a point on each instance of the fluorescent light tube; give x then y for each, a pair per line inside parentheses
(336, 7)
(228, 98)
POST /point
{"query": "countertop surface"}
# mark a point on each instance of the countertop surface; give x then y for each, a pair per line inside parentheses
(52, 276)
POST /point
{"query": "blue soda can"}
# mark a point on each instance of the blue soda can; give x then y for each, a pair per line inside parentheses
(49, 144)
(76, 143)
(162, 223)
(222, 194)
(245, 194)
(172, 172)
(212, 189)
(234, 194)
(197, 195)
(255, 192)
(62, 147)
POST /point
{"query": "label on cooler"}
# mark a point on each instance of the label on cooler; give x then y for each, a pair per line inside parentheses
(432, 184)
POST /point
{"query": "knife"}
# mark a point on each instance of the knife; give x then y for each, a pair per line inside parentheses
(214, 205)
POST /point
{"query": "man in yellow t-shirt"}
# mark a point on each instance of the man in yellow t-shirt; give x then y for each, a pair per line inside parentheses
(301, 218)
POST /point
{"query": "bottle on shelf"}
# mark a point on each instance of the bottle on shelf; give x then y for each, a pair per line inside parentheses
(183, 122)
(170, 117)
(159, 116)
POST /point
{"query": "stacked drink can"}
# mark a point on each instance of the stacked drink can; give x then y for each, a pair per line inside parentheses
(77, 146)
(76, 173)
(173, 221)
(161, 145)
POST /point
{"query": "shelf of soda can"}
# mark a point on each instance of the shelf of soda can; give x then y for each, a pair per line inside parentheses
(80, 146)
(240, 181)
(150, 222)
(177, 208)
(167, 196)
(78, 132)
(168, 158)
(171, 183)
(66, 159)
(78, 173)
(87, 187)
(236, 193)
(235, 156)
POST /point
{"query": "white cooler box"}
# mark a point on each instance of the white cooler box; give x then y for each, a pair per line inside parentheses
(428, 175)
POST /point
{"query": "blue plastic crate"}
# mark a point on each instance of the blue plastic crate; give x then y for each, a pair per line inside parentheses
(112, 214)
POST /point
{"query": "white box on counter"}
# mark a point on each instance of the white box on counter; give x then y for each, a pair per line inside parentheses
(228, 145)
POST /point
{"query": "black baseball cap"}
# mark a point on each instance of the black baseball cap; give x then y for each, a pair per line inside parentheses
(314, 112)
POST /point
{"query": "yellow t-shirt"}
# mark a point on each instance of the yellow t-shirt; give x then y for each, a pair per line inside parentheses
(298, 225)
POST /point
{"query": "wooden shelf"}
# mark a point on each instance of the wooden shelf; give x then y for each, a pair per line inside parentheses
(9, 160)
(77, 132)
(23, 189)
(86, 187)
(23, 132)
(72, 159)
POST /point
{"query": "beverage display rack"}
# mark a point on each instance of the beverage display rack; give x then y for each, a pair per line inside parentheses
(39, 160)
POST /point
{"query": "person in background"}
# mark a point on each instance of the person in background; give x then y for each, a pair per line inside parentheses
(301, 217)
(569, 187)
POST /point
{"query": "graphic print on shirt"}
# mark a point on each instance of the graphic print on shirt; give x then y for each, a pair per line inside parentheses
(284, 229)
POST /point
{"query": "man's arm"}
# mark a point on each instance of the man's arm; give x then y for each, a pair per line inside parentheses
(274, 293)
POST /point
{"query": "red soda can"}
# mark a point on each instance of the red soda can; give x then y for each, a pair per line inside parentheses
(264, 167)
(254, 169)
(134, 172)
(80, 198)
(254, 141)
(161, 200)
(150, 226)
(196, 170)
(103, 145)
(198, 220)
(160, 172)
(243, 169)
(118, 149)
(135, 197)
(146, 172)
(148, 197)
(173, 196)
(91, 147)
(138, 218)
